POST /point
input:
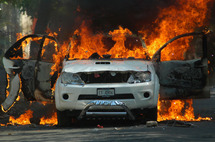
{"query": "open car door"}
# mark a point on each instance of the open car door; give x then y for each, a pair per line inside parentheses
(187, 78)
(28, 65)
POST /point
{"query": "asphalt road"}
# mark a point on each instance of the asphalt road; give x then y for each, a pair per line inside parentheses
(121, 131)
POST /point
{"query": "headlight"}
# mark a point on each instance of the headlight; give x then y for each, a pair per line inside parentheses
(144, 76)
(140, 77)
(70, 78)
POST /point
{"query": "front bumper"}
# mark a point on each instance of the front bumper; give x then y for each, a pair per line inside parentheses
(106, 103)
(73, 102)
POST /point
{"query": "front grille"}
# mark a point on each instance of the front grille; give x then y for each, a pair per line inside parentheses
(105, 77)
(96, 97)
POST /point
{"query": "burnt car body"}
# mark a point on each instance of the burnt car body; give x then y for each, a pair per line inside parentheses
(184, 79)
(29, 69)
(178, 79)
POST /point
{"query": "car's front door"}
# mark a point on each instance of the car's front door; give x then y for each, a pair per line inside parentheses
(187, 78)
(28, 64)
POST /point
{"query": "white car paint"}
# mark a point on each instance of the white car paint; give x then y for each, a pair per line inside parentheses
(137, 89)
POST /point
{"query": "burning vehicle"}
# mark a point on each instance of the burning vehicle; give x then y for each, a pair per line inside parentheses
(106, 87)
(115, 83)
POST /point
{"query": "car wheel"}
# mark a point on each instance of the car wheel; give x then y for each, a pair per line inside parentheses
(63, 119)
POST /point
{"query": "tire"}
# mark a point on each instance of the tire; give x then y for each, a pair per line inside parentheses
(63, 119)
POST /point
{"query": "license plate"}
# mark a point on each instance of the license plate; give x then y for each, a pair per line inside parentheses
(105, 92)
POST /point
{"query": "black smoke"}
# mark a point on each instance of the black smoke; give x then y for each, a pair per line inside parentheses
(103, 15)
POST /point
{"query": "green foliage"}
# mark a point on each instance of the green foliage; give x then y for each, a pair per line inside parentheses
(31, 7)
(28, 6)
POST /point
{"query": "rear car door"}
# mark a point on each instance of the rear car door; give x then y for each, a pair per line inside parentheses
(186, 77)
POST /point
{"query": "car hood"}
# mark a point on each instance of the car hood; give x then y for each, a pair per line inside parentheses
(105, 65)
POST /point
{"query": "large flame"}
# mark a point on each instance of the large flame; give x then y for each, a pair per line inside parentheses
(183, 17)
(84, 43)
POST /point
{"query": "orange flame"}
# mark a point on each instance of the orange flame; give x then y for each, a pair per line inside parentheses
(24, 46)
(20, 90)
(49, 121)
(177, 110)
(8, 85)
(19, 36)
(24, 119)
(2, 125)
(84, 43)
(184, 17)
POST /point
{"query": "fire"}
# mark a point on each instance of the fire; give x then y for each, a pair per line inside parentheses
(20, 90)
(49, 121)
(8, 85)
(84, 43)
(184, 17)
(19, 36)
(24, 46)
(24, 119)
(177, 110)
(119, 37)
(49, 41)
(119, 50)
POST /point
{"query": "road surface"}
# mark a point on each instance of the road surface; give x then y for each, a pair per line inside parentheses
(121, 131)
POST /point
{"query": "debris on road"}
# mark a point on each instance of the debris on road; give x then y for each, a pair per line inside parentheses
(99, 126)
(151, 124)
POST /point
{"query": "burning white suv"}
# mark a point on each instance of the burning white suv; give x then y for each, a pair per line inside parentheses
(113, 87)
(102, 86)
